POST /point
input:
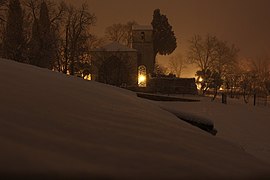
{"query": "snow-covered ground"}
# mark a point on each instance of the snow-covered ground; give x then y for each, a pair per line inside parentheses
(57, 125)
(237, 122)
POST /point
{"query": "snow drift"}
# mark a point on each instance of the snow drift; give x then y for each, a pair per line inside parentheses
(53, 125)
(242, 124)
(198, 121)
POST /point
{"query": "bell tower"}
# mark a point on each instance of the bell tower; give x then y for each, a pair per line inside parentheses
(142, 41)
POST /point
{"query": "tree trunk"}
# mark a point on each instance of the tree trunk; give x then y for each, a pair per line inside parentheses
(215, 94)
(244, 95)
(66, 50)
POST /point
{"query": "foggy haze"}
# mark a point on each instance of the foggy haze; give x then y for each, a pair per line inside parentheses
(240, 22)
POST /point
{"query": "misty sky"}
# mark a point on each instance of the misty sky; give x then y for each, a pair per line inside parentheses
(246, 23)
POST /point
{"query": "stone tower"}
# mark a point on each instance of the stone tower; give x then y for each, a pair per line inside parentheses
(142, 41)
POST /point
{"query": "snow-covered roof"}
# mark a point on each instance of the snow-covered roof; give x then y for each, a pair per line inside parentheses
(115, 47)
(142, 27)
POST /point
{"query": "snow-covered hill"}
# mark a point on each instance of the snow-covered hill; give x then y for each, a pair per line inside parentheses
(239, 123)
(61, 126)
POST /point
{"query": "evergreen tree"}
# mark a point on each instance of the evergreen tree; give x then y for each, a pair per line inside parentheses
(34, 45)
(41, 45)
(45, 37)
(13, 40)
(164, 37)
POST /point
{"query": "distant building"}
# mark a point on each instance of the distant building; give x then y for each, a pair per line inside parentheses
(139, 58)
(123, 69)
(142, 41)
(133, 66)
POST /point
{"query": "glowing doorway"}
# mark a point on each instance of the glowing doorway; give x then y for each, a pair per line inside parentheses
(142, 76)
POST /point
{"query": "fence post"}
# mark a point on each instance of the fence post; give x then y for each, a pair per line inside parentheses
(254, 102)
(224, 98)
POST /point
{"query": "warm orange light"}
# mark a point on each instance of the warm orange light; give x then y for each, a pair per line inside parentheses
(142, 81)
(88, 77)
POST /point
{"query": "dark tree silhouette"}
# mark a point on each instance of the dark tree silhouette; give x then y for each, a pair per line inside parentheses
(121, 33)
(114, 71)
(45, 37)
(164, 37)
(78, 22)
(2, 3)
(34, 44)
(176, 65)
(41, 45)
(13, 40)
(215, 58)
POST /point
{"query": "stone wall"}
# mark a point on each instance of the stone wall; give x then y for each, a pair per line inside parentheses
(173, 85)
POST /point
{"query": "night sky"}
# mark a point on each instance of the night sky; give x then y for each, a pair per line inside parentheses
(246, 23)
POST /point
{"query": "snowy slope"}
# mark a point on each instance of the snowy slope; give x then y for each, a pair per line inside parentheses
(244, 125)
(57, 125)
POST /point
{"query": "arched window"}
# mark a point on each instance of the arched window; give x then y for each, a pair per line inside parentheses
(142, 76)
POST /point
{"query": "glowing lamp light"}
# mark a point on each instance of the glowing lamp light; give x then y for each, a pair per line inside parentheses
(200, 79)
(142, 81)
(88, 77)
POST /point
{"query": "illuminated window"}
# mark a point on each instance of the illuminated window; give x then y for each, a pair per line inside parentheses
(88, 77)
(142, 76)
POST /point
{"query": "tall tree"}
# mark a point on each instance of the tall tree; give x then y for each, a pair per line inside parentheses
(260, 68)
(121, 33)
(115, 70)
(176, 65)
(13, 40)
(75, 45)
(214, 58)
(42, 49)
(34, 44)
(2, 3)
(164, 37)
(46, 20)
(202, 51)
(45, 37)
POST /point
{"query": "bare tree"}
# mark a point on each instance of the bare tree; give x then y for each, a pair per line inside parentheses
(3, 8)
(95, 42)
(76, 34)
(56, 12)
(176, 65)
(260, 66)
(161, 70)
(202, 51)
(254, 77)
(121, 33)
(214, 58)
(13, 39)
